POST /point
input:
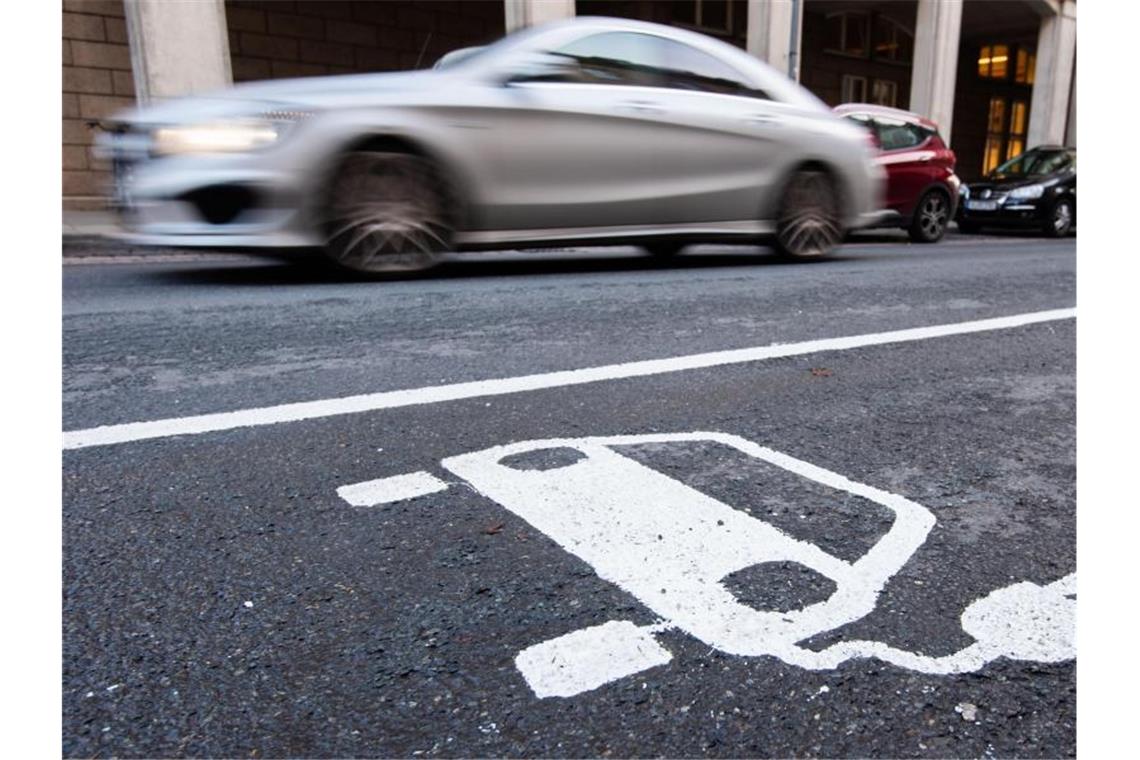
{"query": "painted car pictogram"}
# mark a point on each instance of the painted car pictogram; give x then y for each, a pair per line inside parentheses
(672, 546)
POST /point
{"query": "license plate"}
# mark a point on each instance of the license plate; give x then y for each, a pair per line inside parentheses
(981, 205)
(121, 177)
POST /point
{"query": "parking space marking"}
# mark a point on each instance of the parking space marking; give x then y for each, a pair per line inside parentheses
(271, 415)
(589, 658)
(373, 493)
(672, 547)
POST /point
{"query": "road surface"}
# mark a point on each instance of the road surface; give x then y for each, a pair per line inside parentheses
(291, 557)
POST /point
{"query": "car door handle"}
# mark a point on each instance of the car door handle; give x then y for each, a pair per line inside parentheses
(762, 120)
(642, 106)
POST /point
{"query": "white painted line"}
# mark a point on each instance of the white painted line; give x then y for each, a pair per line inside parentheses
(671, 546)
(372, 493)
(589, 658)
(307, 410)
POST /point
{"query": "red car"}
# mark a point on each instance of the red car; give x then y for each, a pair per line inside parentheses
(922, 189)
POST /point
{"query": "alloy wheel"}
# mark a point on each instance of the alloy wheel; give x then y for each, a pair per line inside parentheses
(808, 224)
(933, 216)
(386, 213)
(1062, 218)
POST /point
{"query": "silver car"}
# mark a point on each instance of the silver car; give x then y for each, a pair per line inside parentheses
(585, 131)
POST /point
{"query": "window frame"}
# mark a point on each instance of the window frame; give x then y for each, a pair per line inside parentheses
(845, 15)
(894, 89)
(896, 27)
(1010, 62)
(697, 24)
(1030, 54)
(852, 78)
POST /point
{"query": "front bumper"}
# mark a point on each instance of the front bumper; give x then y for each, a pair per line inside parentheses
(1022, 214)
(239, 200)
(1000, 210)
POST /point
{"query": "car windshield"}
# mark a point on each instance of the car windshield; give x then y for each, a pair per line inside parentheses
(1035, 163)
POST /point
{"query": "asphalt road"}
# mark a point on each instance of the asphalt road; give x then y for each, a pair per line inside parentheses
(222, 599)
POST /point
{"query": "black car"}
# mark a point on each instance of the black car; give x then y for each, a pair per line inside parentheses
(1036, 190)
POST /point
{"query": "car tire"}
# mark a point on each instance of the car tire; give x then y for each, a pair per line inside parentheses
(664, 250)
(808, 224)
(968, 228)
(386, 212)
(1060, 221)
(931, 216)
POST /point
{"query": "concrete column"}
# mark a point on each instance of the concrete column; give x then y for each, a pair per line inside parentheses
(177, 48)
(1056, 54)
(522, 13)
(937, 31)
(775, 29)
(1071, 125)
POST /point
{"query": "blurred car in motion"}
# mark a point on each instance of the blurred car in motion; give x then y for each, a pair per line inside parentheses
(1036, 190)
(588, 130)
(922, 188)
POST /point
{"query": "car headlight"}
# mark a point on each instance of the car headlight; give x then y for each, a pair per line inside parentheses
(963, 190)
(230, 136)
(1029, 191)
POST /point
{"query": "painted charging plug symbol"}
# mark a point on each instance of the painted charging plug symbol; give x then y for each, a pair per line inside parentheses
(672, 547)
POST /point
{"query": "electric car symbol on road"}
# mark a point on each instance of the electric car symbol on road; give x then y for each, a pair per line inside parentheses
(672, 547)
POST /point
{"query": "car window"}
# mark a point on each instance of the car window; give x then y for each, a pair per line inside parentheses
(646, 60)
(625, 58)
(1036, 163)
(687, 68)
(895, 134)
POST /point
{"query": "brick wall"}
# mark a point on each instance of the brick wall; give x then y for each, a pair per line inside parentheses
(96, 82)
(270, 39)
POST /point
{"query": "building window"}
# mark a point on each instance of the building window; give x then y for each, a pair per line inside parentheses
(1026, 63)
(995, 135)
(892, 41)
(1018, 121)
(993, 62)
(709, 15)
(854, 89)
(884, 92)
(846, 33)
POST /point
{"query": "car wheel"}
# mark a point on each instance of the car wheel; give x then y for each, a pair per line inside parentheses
(930, 217)
(808, 225)
(968, 228)
(1060, 220)
(386, 212)
(664, 250)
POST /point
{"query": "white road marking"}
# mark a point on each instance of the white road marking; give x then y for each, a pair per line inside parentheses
(589, 658)
(373, 493)
(271, 415)
(672, 547)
